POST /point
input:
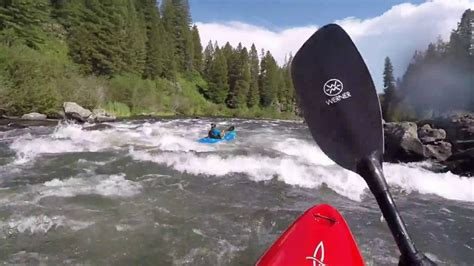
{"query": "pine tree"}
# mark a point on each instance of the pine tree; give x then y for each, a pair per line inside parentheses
(154, 42)
(234, 68)
(170, 66)
(268, 80)
(425, 88)
(177, 21)
(134, 43)
(461, 41)
(241, 74)
(389, 89)
(254, 94)
(218, 81)
(208, 58)
(197, 50)
(431, 54)
(23, 19)
(242, 85)
(286, 94)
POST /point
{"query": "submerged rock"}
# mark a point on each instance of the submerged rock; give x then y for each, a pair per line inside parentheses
(33, 116)
(98, 127)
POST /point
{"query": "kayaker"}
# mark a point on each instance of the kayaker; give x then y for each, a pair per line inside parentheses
(214, 133)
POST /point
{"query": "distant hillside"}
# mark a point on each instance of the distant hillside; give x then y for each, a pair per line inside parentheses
(438, 80)
(131, 57)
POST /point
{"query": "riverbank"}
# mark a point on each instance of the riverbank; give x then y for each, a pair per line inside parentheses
(447, 140)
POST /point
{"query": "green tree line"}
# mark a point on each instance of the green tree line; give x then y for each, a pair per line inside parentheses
(240, 78)
(438, 80)
(132, 56)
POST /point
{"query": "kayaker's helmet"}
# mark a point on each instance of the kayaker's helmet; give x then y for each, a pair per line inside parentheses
(213, 125)
(231, 128)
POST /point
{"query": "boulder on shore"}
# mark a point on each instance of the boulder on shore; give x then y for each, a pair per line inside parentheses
(72, 107)
(33, 116)
(77, 113)
(459, 128)
(402, 143)
(440, 150)
(461, 163)
(100, 115)
(449, 143)
(427, 134)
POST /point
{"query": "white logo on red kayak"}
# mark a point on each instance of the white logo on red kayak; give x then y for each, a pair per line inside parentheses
(318, 260)
(333, 88)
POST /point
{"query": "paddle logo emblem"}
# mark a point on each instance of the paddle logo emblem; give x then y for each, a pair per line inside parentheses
(318, 261)
(333, 88)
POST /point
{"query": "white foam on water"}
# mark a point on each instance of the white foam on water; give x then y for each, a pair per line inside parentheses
(304, 150)
(304, 164)
(65, 139)
(107, 186)
(411, 177)
(165, 136)
(43, 224)
(298, 162)
(260, 168)
(123, 227)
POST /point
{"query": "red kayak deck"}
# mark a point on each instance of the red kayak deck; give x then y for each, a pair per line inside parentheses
(319, 237)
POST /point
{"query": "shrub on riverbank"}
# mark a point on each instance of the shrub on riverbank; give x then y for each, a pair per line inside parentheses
(40, 81)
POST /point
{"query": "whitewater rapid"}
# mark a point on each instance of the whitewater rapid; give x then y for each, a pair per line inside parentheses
(260, 154)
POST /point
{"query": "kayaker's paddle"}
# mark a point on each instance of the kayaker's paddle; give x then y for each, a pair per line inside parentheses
(342, 110)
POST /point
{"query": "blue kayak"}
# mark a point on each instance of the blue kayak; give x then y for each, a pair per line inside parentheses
(229, 136)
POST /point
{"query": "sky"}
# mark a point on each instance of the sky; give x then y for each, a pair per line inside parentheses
(380, 28)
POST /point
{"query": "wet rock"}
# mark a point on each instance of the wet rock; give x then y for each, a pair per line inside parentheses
(429, 135)
(57, 115)
(33, 116)
(464, 123)
(464, 144)
(459, 127)
(15, 125)
(461, 163)
(98, 127)
(71, 107)
(100, 115)
(75, 117)
(440, 150)
(402, 143)
(75, 112)
(468, 131)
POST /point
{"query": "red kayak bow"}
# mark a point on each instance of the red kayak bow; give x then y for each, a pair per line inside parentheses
(319, 237)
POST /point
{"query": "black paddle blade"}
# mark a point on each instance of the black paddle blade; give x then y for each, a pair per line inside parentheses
(338, 97)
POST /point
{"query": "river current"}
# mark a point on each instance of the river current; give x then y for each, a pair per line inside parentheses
(145, 192)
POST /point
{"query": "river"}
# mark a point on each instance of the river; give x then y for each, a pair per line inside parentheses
(145, 192)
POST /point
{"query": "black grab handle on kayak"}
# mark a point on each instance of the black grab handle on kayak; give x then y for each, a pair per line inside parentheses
(371, 169)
